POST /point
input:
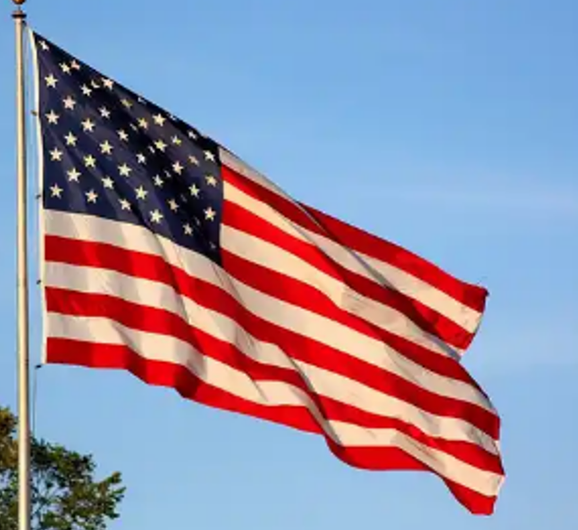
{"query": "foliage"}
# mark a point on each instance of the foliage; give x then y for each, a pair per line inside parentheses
(64, 493)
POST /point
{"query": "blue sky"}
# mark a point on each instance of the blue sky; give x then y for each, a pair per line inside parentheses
(449, 127)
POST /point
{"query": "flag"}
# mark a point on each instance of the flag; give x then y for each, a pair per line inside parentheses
(166, 255)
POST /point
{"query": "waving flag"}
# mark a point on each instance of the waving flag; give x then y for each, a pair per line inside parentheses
(168, 256)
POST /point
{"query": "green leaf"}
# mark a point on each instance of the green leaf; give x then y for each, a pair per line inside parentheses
(65, 494)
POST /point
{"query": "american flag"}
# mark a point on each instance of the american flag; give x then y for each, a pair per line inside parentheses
(166, 255)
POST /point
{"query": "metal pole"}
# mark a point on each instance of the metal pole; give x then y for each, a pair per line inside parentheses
(22, 285)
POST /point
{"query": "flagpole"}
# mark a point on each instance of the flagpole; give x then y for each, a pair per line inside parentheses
(22, 281)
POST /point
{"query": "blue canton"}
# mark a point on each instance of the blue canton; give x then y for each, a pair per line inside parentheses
(110, 153)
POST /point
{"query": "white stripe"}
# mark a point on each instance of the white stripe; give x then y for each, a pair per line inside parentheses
(236, 164)
(383, 273)
(322, 381)
(273, 257)
(268, 393)
(306, 323)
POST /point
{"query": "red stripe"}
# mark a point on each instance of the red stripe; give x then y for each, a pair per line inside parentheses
(426, 318)
(158, 321)
(302, 348)
(151, 267)
(303, 295)
(154, 320)
(170, 375)
(348, 236)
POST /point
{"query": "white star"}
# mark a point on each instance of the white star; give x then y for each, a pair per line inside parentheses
(158, 181)
(159, 119)
(89, 161)
(192, 135)
(193, 160)
(69, 103)
(126, 103)
(107, 182)
(123, 135)
(52, 117)
(108, 83)
(56, 190)
(124, 170)
(88, 125)
(74, 65)
(188, 229)
(43, 45)
(51, 81)
(141, 193)
(104, 112)
(86, 90)
(209, 156)
(173, 205)
(91, 196)
(73, 175)
(65, 68)
(124, 204)
(143, 124)
(210, 214)
(211, 180)
(71, 139)
(160, 145)
(178, 168)
(106, 148)
(194, 190)
(176, 140)
(56, 154)
(156, 216)
(141, 159)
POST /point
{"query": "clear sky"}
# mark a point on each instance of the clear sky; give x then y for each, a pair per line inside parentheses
(448, 126)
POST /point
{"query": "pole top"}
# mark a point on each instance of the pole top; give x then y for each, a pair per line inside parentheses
(19, 14)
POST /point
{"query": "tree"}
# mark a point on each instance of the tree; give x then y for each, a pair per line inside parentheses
(64, 493)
